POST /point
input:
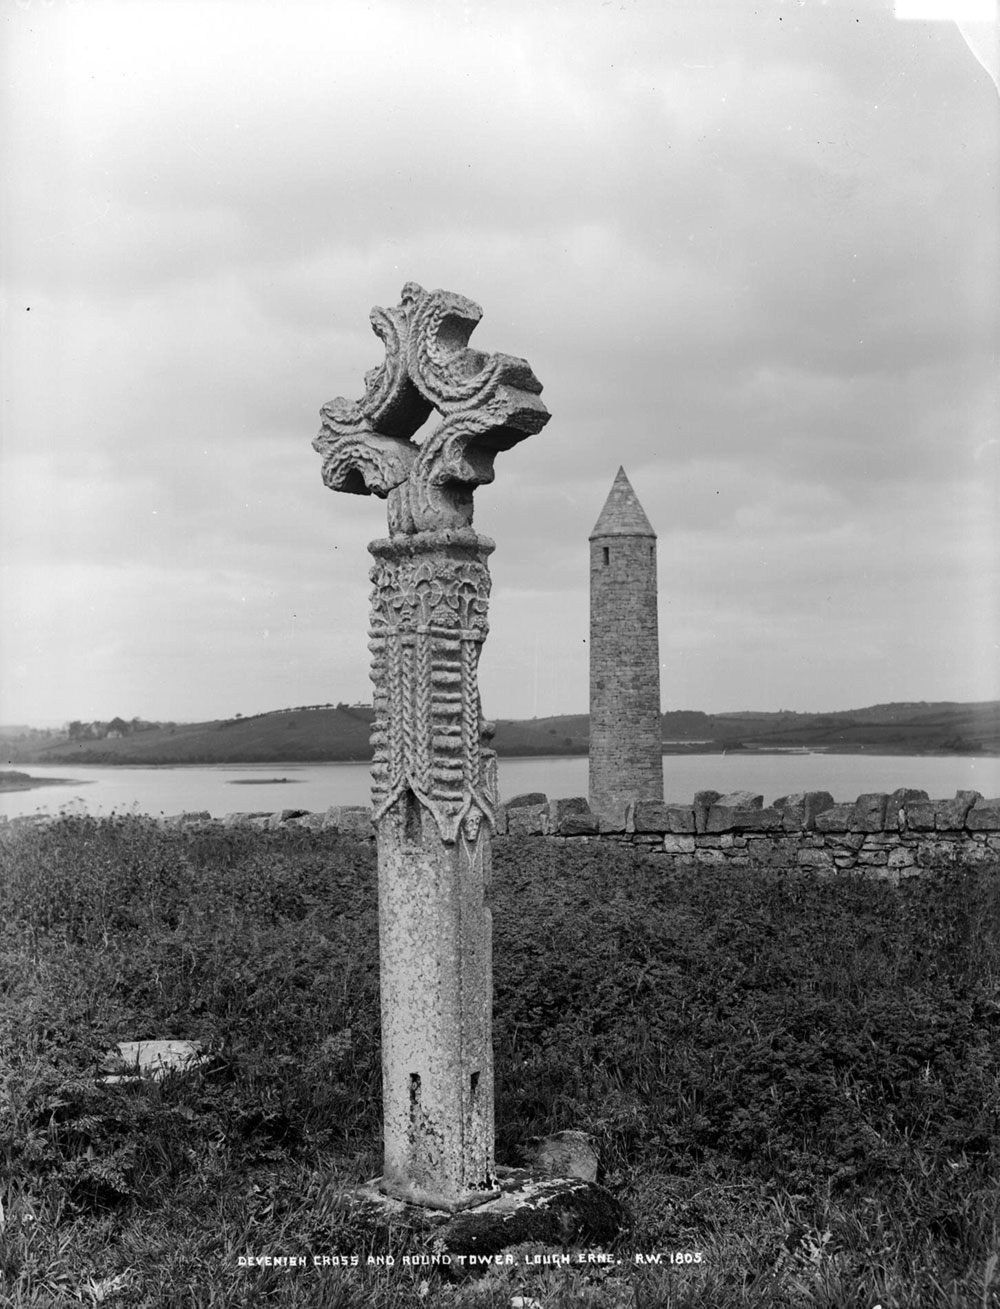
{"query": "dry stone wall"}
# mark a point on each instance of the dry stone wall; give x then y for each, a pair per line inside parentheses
(881, 835)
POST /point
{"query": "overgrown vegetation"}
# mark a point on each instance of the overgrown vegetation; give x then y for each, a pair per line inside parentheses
(797, 1078)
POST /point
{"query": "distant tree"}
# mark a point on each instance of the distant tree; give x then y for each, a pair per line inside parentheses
(118, 725)
(75, 730)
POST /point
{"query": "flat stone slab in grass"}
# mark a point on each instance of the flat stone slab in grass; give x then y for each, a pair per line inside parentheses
(549, 1211)
(130, 1061)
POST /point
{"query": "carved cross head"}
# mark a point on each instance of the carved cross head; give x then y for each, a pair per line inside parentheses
(487, 403)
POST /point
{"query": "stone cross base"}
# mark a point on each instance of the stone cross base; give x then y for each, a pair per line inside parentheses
(529, 1209)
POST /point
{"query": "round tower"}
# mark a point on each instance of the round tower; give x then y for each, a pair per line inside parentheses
(626, 757)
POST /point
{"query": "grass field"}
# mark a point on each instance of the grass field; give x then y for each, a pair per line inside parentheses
(796, 1080)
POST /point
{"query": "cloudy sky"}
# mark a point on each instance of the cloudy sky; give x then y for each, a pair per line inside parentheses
(751, 251)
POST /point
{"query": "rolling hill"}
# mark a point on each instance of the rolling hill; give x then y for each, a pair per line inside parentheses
(325, 733)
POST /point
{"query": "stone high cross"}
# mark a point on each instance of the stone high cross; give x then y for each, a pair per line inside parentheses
(434, 775)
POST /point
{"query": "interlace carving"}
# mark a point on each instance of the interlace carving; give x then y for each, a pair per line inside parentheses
(430, 580)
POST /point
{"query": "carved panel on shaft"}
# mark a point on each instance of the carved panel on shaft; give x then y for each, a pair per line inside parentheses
(429, 621)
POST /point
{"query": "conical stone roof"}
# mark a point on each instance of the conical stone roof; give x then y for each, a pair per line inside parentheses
(622, 514)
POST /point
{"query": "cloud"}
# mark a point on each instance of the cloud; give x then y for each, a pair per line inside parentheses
(750, 253)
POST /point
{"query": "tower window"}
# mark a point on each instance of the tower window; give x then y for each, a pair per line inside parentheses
(607, 555)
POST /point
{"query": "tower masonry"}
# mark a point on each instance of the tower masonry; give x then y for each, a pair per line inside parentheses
(625, 735)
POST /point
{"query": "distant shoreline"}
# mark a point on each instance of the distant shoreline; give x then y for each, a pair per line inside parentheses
(318, 734)
(672, 751)
(887, 750)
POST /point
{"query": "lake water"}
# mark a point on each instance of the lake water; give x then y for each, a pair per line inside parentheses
(227, 788)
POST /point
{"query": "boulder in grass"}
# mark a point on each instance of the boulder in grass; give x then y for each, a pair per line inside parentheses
(564, 1154)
